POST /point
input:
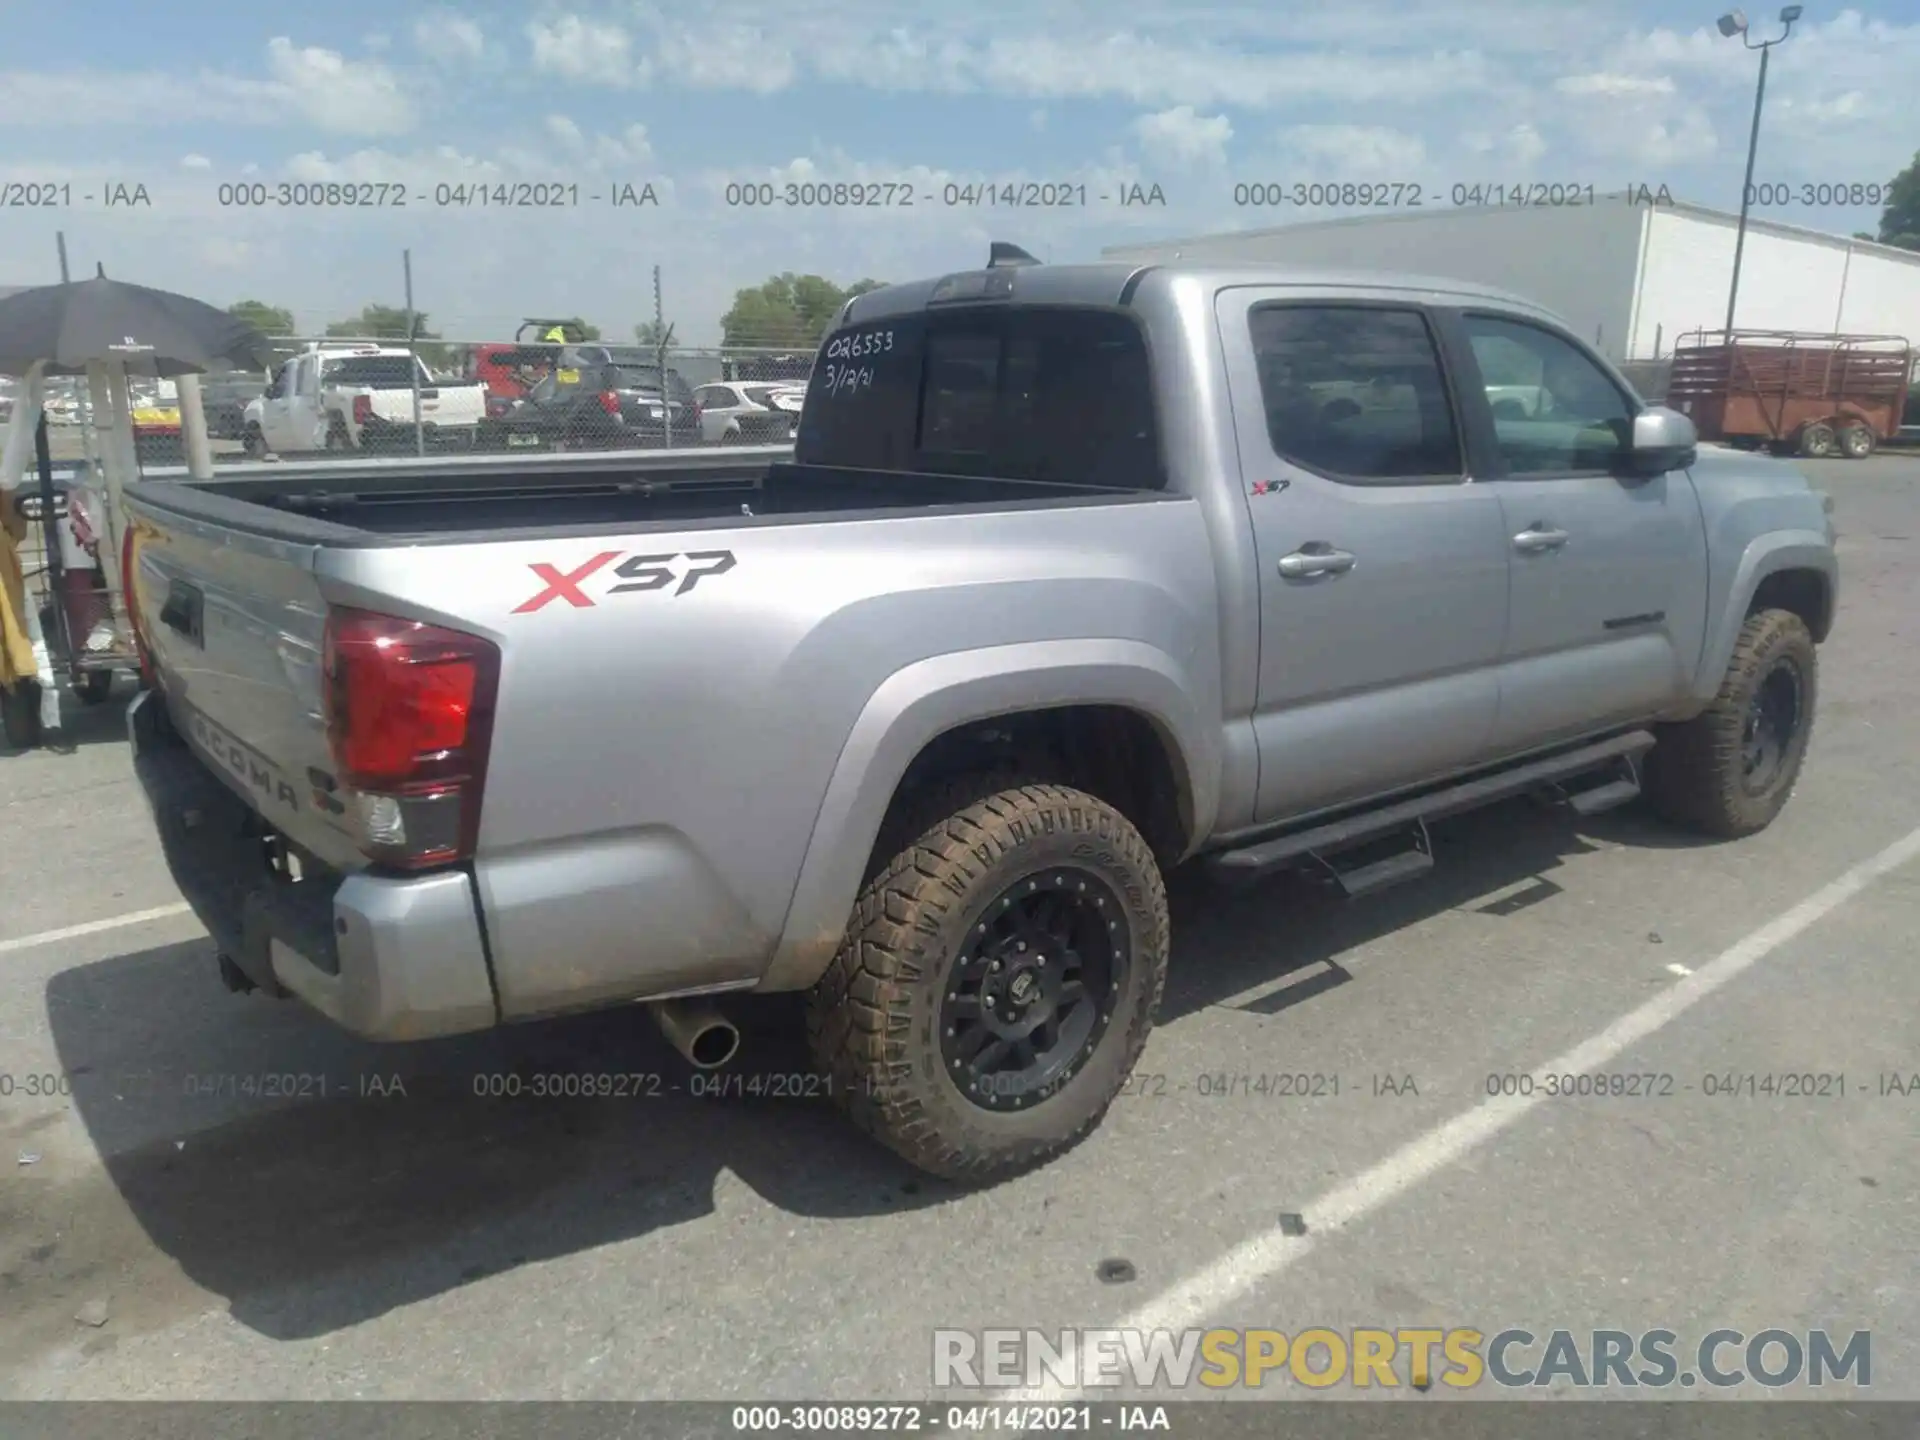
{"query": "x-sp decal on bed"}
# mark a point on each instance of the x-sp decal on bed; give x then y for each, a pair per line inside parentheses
(637, 573)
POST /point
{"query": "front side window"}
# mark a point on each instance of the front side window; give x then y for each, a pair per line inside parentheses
(1555, 412)
(374, 372)
(1355, 392)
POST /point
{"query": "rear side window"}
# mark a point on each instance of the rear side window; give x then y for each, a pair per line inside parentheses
(1034, 394)
(1355, 392)
(378, 372)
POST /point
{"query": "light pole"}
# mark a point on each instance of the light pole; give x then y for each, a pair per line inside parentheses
(1734, 22)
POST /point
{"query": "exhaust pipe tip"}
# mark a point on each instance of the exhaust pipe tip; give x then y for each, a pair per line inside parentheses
(705, 1038)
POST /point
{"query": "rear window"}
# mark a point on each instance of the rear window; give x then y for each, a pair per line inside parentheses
(1035, 394)
(378, 372)
(647, 377)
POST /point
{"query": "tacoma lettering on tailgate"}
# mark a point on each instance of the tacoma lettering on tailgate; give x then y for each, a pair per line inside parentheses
(638, 572)
(240, 761)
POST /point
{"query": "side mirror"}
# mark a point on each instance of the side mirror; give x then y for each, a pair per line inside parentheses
(1663, 440)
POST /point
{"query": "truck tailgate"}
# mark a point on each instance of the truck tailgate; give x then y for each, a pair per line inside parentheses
(439, 405)
(235, 623)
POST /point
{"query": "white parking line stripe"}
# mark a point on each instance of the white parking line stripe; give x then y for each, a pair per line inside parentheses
(93, 927)
(1189, 1301)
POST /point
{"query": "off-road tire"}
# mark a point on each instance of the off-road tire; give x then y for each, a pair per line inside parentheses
(20, 714)
(1693, 775)
(873, 1017)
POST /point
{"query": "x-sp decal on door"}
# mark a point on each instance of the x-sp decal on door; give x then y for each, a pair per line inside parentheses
(636, 573)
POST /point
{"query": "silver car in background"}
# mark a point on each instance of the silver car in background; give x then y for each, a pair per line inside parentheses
(750, 412)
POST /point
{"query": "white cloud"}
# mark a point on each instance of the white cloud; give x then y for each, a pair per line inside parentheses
(1181, 136)
(440, 164)
(1602, 83)
(1357, 151)
(587, 51)
(345, 96)
(1848, 106)
(1076, 53)
(630, 147)
(1522, 145)
(725, 56)
(195, 162)
(1148, 70)
(1668, 141)
(445, 35)
(307, 86)
(70, 98)
(573, 152)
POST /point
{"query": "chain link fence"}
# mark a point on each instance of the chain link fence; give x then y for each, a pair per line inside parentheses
(473, 394)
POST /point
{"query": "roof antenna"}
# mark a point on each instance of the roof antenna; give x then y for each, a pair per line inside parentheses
(1002, 256)
(99, 270)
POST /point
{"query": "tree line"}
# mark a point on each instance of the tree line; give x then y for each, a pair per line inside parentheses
(788, 311)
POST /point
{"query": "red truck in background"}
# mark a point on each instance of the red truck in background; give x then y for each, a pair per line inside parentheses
(509, 369)
(1793, 392)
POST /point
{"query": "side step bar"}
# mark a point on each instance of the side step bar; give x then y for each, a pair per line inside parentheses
(1616, 786)
(1618, 753)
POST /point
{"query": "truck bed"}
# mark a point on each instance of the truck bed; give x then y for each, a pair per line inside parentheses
(514, 498)
(681, 652)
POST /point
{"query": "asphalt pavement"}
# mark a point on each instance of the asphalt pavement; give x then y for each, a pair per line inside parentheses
(254, 1206)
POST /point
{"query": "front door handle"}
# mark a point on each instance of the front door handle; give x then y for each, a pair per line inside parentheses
(1537, 538)
(1315, 558)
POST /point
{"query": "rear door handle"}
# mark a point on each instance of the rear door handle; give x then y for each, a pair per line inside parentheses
(1537, 538)
(1315, 558)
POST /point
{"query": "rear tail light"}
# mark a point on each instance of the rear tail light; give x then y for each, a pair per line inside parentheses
(610, 402)
(362, 409)
(409, 710)
(130, 595)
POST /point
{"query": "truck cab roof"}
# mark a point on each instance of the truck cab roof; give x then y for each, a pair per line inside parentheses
(1115, 282)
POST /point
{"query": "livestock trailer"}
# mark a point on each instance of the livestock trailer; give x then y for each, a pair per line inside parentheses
(1792, 391)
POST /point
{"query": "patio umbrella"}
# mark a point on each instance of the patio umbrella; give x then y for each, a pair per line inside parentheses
(106, 329)
(150, 332)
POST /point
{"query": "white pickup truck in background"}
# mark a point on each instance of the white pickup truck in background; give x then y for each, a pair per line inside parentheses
(360, 397)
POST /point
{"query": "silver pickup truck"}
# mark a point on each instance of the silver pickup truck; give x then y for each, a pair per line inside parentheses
(1075, 573)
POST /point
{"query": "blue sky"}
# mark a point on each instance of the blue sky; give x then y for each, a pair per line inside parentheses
(188, 96)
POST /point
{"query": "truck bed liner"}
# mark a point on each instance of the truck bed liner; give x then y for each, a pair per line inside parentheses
(410, 506)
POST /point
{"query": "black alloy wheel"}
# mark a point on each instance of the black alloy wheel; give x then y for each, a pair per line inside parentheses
(1772, 722)
(1033, 995)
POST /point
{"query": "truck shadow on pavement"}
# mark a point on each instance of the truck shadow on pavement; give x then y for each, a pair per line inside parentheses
(1289, 928)
(313, 1181)
(386, 1179)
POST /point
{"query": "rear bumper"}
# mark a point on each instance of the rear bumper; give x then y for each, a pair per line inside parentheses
(393, 437)
(386, 958)
(772, 429)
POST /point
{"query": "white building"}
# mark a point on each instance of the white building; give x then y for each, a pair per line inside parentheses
(1629, 276)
